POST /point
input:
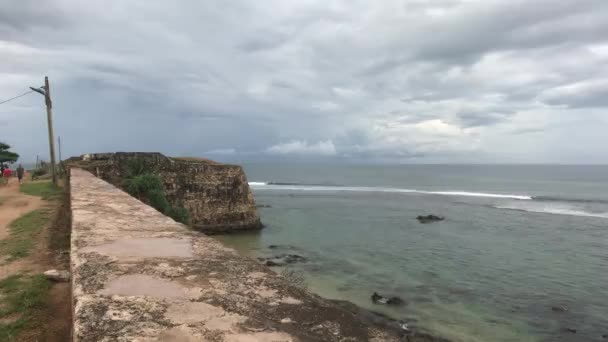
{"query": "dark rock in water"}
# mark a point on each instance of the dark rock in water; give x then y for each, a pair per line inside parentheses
(559, 308)
(394, 300)
(283, 259)
(403, 328)
(281, 247)
(263, 206)
(369, 316)
(605, 336)
(272, 263)
(429, 218)
(293, 258)
(570, 330)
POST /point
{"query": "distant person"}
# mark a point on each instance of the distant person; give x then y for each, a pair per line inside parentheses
(7, 173)
(20, 173)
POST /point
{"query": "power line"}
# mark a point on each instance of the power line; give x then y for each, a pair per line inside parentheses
(16, 97)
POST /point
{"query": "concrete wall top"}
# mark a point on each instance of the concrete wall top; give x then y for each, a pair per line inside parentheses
(140, 276)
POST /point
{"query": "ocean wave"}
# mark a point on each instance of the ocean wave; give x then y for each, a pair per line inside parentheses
(308, 187)
(568, 199)
(556, 211)
(478, 194)
(257, 183)
(301, 184)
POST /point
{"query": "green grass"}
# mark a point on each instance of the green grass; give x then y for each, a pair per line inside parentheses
(46, 190)
(21, 299)
(23, 233)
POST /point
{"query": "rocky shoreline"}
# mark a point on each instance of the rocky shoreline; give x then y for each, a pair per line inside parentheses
(407, 333)
(285, 255)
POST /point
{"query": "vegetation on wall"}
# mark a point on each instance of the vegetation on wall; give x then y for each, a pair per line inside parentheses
(146, 186)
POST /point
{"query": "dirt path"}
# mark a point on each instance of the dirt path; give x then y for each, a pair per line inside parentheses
(14, 204)
(55, 320)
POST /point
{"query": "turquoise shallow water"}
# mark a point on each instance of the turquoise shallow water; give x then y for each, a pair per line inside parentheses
(516, 241)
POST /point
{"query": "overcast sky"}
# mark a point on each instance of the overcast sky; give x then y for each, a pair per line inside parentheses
(522, 81)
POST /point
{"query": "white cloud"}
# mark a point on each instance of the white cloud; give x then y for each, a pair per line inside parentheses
(297, 147)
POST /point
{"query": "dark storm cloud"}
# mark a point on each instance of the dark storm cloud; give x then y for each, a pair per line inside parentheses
(579, 95)
(344, 80)
(29, 14)
(528, 130)
(262, 40)
(482, 118)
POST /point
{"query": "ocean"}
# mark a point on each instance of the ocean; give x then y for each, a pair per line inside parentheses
(518, 242)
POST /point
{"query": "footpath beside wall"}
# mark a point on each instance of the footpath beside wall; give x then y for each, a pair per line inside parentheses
(137, 275)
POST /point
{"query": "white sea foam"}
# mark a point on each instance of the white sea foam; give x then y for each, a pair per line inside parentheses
(296, 187)
(478, 194)
(555, 210)
(257, 183)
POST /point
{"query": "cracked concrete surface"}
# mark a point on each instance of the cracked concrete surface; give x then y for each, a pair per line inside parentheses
(140, 276)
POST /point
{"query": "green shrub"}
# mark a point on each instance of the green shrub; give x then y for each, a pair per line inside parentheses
(157, 199)
(148, 188)
(39, 172)
(179, 214)
(141, 185)
(137, 167)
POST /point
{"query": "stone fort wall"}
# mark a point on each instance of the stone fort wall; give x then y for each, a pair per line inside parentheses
(217, 196)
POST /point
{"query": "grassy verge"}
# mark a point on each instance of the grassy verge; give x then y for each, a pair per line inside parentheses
(23, 232)
(23, 299)
(45, 189)
(61, 227)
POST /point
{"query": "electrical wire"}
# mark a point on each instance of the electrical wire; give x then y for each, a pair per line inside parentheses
(16, 97)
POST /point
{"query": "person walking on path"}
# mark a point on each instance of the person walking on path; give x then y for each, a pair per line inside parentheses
(6, 176)
(20, 172)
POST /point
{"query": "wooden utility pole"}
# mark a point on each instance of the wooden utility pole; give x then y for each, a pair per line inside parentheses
(59, 145)
(46, 91)
(49, 118)
(60, 165)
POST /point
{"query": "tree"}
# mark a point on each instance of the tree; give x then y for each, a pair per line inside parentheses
(6, 156)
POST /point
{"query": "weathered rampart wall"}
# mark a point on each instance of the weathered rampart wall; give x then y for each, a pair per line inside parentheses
(217, 196)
